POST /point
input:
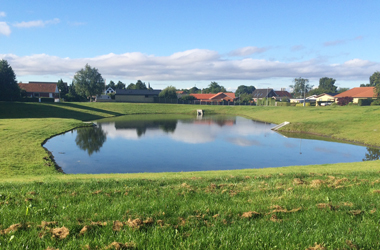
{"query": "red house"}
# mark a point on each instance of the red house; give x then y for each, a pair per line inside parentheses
(40, 89)
(219, 97)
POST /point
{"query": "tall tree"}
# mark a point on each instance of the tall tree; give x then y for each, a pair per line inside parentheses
(242, 89)
(140, 85)
(62, 88)
(88, 82)
(111, 84)
(120, 85)
(300, 87)
(326, 85)
(214, 87)
(194, 90)
(374, 80)
(9, 89)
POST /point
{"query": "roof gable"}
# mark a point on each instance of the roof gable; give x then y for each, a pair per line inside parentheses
(37, 87)
(359, 92)
(283, 93)
(262, 93)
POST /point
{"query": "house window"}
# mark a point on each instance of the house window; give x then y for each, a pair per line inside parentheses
(146, 96)
(36, 94)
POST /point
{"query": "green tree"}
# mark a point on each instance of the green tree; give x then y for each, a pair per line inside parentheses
(140, 85)
(300, 87)
(326, 85)
(120, 85)
(111, 85)
(168, 92)
(88, 82)
(214, 87)
(245, 97)
(9, 89)
(242, 89)
(131, 86)
(374, 80)
(194, 90)
(62, 88)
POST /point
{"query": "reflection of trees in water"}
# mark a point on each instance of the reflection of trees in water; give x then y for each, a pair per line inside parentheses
(373, 154)
(90, 139)
(168, 126)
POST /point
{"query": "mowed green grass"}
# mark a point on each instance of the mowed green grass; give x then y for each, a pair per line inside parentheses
(284, 210)
(335, 206)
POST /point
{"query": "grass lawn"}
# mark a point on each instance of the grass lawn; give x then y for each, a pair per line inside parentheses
(332, 206)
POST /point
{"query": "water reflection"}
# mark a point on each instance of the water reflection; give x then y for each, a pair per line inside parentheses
(141, 127)
(372, 155)
(90, 139)
(163, 143)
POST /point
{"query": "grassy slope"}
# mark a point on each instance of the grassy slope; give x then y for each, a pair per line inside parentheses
(338, 206)
(24, 126)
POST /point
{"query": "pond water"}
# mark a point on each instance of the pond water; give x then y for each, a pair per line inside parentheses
(161, 143)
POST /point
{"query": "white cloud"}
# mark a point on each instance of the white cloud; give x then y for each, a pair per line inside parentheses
(246, 51)
(37, 23)
(2, 14)
(5, 29)
(190, 65)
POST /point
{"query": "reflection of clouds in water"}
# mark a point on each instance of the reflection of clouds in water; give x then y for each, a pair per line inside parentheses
(195, 134)
(129, 134)
(248, 127)
(244, 142)
(200, 133)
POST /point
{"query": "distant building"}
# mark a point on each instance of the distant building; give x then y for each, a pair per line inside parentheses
(358, 93)
(219, 97)
(263, 93)
(109, 91)
(136, 95)
(40, 89)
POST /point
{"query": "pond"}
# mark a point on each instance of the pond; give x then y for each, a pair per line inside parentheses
(164, 143)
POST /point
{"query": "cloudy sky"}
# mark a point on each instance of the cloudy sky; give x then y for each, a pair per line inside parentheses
(190, 43)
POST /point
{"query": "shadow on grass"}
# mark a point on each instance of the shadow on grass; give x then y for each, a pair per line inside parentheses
(18, 110)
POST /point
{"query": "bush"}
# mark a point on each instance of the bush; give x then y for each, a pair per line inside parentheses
(342, 101)
(375, 102)
(365, 102)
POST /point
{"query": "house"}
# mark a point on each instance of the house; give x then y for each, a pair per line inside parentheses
(263, 93)
(325, 99)
(109, 91)
(282, 94)
(136, 95)
(358, 93)
(40, 89)
(219, 97)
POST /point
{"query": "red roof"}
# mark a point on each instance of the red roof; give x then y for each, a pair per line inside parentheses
(221, 95)
(281, 93)
(359, 92)
(39, 87)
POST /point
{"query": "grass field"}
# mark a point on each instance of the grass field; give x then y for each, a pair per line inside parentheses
(331, 206)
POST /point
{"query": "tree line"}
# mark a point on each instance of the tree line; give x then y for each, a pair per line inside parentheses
(88, 82)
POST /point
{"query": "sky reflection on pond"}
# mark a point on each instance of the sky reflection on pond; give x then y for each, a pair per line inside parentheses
(160, 143)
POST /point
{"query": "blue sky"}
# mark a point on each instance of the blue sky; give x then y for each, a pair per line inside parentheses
(186, 43)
